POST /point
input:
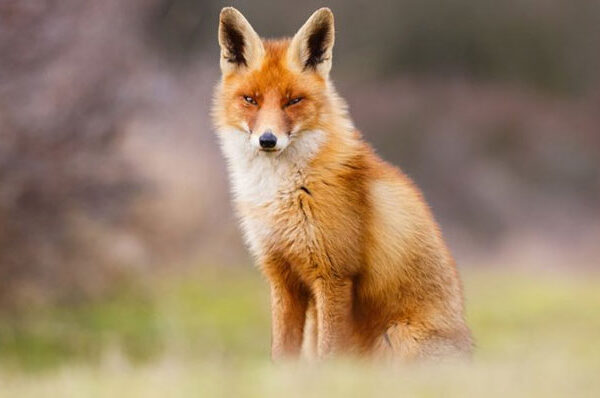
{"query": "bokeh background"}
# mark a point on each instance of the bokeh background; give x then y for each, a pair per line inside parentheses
(120, 257)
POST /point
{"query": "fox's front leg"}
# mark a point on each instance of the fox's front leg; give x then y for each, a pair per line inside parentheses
(333, 299)
(288, 309)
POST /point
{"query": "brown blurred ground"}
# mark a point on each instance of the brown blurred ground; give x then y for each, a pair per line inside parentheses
(109, 169)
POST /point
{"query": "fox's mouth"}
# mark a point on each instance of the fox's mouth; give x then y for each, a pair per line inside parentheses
(269, 150)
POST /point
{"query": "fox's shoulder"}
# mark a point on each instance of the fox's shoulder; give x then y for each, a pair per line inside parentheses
(351, 164)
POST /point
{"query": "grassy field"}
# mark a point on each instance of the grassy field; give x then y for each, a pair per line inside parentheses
(207, 335)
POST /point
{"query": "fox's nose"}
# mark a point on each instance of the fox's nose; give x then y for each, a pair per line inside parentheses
(267, 140)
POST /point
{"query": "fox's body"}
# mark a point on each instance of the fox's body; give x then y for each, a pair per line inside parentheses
(355, 260)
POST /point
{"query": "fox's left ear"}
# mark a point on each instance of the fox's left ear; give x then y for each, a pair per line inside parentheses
(241, 47)
(311, 48)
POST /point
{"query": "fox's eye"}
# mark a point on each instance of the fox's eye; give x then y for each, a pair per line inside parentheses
(294, 101)
(250, 100)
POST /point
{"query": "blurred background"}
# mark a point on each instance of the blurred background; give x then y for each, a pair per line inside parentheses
(118, 244)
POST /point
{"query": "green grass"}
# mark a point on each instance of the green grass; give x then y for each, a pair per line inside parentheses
(224, 313)
(208, 335)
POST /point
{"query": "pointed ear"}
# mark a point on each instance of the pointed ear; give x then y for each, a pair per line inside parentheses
(311, 48)
(240, 44)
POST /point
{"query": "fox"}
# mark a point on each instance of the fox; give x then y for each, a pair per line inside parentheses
(355, 261)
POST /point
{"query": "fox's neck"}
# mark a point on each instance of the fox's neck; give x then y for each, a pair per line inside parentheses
(258, 177)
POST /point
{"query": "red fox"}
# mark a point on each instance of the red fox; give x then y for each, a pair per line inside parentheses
(355, 261)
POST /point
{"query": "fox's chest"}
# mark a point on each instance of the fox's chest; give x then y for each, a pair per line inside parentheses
(267, 191)
(271, 206)
(285, 224)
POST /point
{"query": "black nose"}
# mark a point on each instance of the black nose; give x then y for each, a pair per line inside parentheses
(267, 140)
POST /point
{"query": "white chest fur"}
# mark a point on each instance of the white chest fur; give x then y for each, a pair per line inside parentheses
(258, 177)
(264, 180)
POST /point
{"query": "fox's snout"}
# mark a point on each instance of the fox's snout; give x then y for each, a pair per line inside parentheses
(267, 140)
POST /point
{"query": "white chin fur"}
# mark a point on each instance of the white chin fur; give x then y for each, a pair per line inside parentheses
(257, 176)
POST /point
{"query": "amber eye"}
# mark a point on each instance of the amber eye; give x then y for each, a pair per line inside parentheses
(250, 100)
(294, 101)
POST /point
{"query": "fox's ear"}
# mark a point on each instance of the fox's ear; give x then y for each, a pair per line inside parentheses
(311, 48)
(240, 44)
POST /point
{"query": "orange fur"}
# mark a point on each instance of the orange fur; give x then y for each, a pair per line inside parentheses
(355, 260)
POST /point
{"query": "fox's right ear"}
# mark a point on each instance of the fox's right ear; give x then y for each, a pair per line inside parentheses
(240, 44)
(311, 47)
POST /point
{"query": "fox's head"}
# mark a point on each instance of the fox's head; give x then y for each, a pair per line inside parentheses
(273, 92)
